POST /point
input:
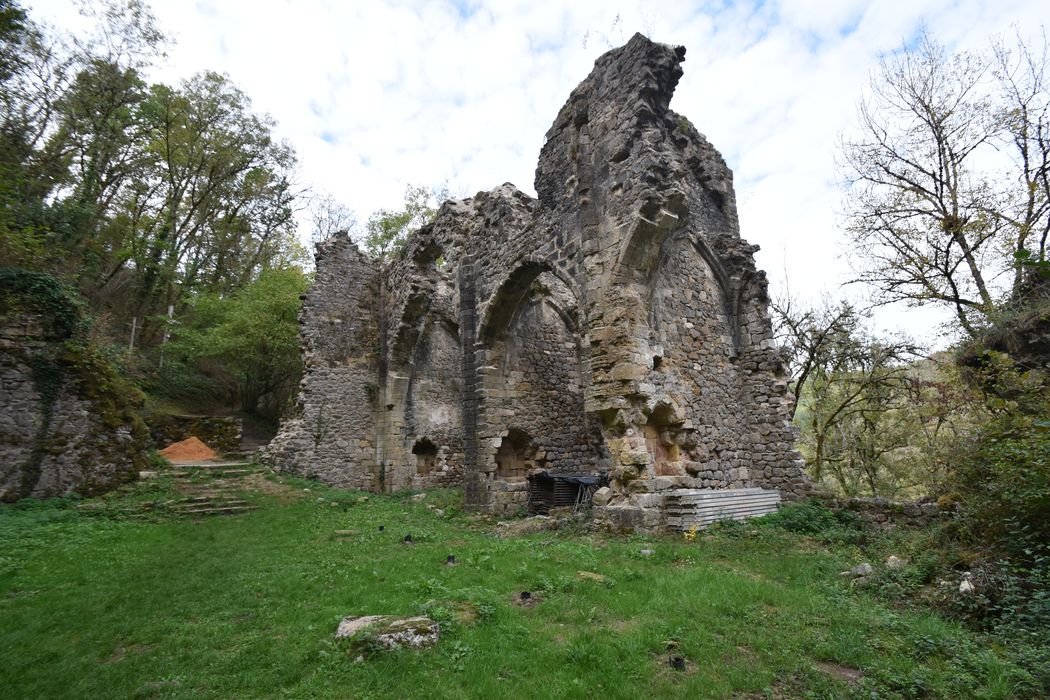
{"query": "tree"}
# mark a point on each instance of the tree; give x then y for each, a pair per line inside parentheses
(328, 217)
(948, 199)
(807, 334)
(140, 195)
(33, 74)
(387, 230)
(247, 343)
(219, 198)
(851, 389)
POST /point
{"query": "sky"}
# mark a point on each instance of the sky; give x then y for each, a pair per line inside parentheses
(375, 96)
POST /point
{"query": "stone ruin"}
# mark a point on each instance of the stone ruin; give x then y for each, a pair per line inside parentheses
(66, 424)
(615, 325)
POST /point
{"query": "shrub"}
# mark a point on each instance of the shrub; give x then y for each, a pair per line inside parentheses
(813, 519)
(25, 291)
(1005, 488)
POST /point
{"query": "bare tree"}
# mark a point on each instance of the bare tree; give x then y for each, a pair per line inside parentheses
(947, 178)
(1021, 73)
(806, 334)
(328, 216)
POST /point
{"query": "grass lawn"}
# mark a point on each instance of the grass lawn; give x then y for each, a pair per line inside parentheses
(99, 605)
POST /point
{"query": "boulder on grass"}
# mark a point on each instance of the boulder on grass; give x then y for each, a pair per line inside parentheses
(388, 632)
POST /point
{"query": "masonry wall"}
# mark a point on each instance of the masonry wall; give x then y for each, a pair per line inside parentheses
(615, 324)
(65, 427)
(433, 415)
(332, 435)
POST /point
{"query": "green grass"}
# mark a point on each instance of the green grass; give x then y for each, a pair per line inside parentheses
(100, 606)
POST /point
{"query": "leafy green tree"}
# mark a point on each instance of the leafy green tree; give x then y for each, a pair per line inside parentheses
(387, 230)
(218, 204)
(247, 343)
(33, 74)
(141, 195)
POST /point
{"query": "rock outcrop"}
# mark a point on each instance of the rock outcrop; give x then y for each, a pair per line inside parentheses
(67, 423)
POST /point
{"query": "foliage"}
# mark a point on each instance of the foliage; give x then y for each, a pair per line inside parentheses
(853, 396)
(1004, 486)
(61, 307)
(142, 195)
(813, 519)
(948, 190)
(247, 343)
(387, 230)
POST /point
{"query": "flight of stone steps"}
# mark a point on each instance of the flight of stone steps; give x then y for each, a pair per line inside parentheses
(210, 488)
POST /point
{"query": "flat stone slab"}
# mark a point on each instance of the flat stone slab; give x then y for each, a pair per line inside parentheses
(391, 632)
(209, 463)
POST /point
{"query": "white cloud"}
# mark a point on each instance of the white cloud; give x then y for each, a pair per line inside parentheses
(375, 95)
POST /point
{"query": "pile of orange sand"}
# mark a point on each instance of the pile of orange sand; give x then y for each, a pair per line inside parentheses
(189, 450)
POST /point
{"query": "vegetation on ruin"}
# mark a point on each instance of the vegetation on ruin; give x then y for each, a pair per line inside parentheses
(95, 601)
(387, 229)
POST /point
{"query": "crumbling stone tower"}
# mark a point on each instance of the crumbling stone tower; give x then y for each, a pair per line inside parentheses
(617, 325)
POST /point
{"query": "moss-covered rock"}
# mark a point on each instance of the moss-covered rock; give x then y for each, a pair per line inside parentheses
(69, 423)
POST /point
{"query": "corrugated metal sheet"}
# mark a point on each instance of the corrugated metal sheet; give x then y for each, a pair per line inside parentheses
(548, 491)
(686, 508)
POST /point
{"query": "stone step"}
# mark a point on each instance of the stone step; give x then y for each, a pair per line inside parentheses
(213, 466)
(232, 473)
(218, 498)
(211, 503)
(216, 510)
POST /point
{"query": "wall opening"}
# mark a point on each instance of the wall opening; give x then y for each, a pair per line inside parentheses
(666, 455)
(574, 491)
(514, 458)
(426, 454)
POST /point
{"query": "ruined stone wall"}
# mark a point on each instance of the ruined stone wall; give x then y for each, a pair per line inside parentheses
(693, 345)
(433, 411)
(542, 377)
(616, 324)
(65, 425)
(333, 434)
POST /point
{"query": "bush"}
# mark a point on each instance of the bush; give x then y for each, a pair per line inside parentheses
(63, 310)
(1005, 489)
(813, 519)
